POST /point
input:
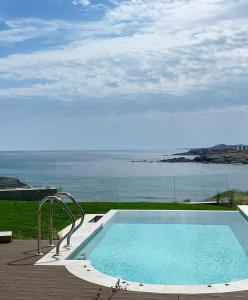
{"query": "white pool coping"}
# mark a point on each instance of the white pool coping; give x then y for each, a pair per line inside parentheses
(84, 270)
(244, 210)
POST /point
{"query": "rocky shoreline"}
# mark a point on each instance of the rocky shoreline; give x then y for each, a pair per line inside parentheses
(213, 155)
(11, 182)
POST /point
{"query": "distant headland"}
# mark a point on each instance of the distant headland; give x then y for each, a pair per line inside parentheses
(219, 154)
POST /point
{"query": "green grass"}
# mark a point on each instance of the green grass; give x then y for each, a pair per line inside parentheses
(20, 216)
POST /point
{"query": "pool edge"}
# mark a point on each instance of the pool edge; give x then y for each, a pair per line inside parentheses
(83, 269)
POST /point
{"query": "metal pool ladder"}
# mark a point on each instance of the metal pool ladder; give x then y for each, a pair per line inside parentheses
(57, 199)
(69, 196)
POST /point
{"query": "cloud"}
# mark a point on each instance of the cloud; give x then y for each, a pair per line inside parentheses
(20, 30)
(81, 2)
(168, 55)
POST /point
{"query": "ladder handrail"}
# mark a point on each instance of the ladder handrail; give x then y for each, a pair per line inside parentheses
(68, 195)
(69, 213)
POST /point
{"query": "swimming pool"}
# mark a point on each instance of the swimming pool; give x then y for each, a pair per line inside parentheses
(173, 247)
(164, 251)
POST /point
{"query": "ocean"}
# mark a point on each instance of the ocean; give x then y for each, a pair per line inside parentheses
(111, 176)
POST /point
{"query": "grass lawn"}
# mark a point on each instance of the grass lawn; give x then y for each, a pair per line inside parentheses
(20, 216)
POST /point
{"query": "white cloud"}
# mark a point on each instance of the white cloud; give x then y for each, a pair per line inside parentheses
(81, 2)
(20, 30)
(160, 47)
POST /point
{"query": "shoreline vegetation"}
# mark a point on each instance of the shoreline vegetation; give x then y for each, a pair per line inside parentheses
(219, 154)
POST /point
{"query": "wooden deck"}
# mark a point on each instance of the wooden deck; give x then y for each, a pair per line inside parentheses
(20, 280)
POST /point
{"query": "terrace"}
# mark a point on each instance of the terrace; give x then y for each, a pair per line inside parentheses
(21, 279)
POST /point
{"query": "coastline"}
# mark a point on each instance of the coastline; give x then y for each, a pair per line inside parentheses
(213, 155)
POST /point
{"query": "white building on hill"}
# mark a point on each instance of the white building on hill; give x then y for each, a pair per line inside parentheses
(242, 147)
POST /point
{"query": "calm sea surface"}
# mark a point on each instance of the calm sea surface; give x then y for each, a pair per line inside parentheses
(111, 176)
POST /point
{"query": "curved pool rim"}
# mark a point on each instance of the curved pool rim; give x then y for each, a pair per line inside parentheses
(84, 270)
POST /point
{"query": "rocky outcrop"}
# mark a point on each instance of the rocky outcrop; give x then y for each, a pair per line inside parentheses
(142, 161)
(220, 154)
(212, 156)
(223, 158)
(176, 159)
(11, 182)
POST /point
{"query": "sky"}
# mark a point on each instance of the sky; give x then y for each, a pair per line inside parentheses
(123, 74)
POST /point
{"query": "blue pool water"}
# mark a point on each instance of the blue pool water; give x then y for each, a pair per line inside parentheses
(174, 250)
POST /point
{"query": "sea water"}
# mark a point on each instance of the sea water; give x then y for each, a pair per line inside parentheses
(111, 176)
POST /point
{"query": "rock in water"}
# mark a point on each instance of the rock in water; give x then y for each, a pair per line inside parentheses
(11, 182)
